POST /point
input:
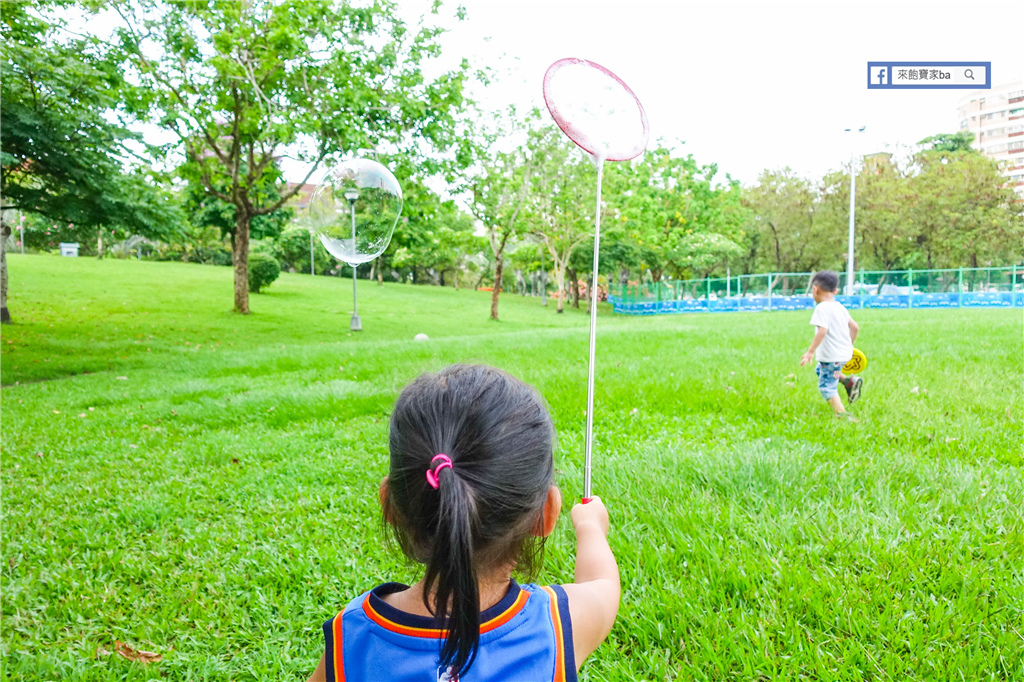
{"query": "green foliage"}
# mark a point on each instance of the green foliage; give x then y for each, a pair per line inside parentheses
(221, 496)
(501, 188)
(205, 210)
(432, 234)
(963, 211)
(263, 270)
(561, 211)
(951, 142)
(785, 230)
(943, 209)
(195, 245)
(237, 83)
(666, 203)
(293, 248)
(61, 156)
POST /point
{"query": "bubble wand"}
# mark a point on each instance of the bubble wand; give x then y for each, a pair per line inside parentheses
(602, 116)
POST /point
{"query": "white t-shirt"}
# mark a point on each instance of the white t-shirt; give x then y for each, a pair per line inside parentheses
(837, 346)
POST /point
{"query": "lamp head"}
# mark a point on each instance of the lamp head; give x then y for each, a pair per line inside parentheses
(352, 194)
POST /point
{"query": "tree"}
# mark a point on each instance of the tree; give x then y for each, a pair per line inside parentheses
(943, 209)
(561, 209)
(785, 231)
(884, 233)
(666, 199)
(433, 234)
(964, 210)
(205, 210)
(499, 192)
(951, 142)
(238, 83)
(61, 156)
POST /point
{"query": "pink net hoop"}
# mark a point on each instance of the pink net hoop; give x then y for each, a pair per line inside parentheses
(583, 121)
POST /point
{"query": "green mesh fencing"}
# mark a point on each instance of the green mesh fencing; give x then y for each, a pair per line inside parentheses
(953, 287)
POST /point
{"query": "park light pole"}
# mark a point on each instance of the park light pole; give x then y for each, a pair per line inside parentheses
(352, 194)
(853, 193)
(312, 269)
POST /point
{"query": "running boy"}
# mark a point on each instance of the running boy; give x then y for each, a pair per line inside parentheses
(833, 342)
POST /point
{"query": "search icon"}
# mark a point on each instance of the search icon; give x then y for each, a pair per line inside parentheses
(968, 73)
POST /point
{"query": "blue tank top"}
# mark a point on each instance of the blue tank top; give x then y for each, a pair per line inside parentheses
(526, 636)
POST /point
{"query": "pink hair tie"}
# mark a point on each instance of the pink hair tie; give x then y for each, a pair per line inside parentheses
(432, 472)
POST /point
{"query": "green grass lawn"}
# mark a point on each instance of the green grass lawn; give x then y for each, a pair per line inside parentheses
(203, 485)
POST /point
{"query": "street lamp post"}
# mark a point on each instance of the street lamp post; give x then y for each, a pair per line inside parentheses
(853, 193)
(312, 269)
(352, 194)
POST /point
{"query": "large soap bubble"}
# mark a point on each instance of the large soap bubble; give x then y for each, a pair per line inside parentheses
(355, 209)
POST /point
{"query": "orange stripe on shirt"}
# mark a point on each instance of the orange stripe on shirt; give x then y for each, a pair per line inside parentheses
(507, 615)
(398, 627)
(339, 660)
(556, 621)
(433, 633)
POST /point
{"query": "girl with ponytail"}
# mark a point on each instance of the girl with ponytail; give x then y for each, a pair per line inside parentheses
(470, 495)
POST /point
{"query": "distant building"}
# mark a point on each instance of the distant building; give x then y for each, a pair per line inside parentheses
(996, 117)
(876, 161)
(299, 203)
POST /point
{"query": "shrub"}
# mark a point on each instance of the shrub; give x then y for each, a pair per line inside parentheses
(267, 246)
(293, 251)
(263, 269)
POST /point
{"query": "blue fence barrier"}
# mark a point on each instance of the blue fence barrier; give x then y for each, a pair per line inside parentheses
(967, 299)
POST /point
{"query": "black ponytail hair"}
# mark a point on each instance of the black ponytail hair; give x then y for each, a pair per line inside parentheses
(497, 432)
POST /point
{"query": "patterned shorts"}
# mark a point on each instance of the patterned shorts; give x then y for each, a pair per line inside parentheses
(828, 378)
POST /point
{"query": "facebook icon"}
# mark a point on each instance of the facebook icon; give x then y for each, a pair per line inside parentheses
(882, 74)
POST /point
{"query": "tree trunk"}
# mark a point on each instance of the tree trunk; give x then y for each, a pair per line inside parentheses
(499, 261)
(574, 280)
(560, 288)
(456, 279)
(99, 243)
(5, 232)
(240, 259)
(380, 271)
(483, 274)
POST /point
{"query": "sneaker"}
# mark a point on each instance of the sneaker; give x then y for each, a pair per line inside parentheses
(856, 383)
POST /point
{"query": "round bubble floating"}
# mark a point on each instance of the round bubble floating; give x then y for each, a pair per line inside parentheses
(354, 212)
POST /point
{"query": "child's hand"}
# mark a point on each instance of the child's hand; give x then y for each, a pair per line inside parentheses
(593, 512)
(594, 594)
(806, 357)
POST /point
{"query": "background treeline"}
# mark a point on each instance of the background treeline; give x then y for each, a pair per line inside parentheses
(489, 197)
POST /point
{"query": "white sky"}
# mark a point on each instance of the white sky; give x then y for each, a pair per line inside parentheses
(746, 85)
(749, 85)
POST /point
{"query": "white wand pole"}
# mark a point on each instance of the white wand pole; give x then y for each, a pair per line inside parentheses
(593, 338)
